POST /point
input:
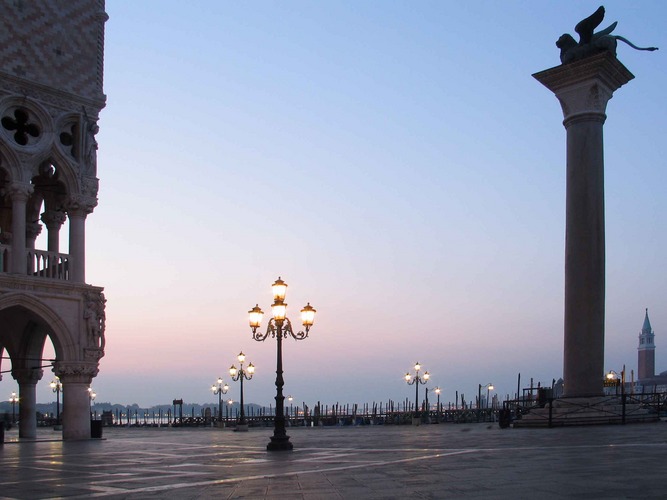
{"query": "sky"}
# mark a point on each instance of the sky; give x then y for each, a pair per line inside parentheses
(394, 162)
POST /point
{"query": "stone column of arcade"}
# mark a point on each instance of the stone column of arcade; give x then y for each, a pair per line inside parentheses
(77, 243)
(583, 89)
(19, 193)
(75, 415)
(27, 379)
(53, 220)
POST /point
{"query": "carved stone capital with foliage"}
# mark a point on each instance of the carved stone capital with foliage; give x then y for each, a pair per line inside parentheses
(27, 375)
(82, 372)
(79, 204)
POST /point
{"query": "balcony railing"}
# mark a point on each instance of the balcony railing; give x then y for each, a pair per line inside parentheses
(39, 263)
(45, 264)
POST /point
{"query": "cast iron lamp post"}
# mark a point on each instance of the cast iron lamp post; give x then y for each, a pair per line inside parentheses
(437, 408)
(488, 387)
(220, 388)
(619, 379)
(416, 380)
(13, 399)
(279, 326)
(91, 397)
(57, 387)
(240, 374)
(290, 417)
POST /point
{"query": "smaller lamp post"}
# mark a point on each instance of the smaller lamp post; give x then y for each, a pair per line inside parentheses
(416, 380)
(488, 387)
(219, 388)
(617, 379)
(437, 408)
(291, 410)
(238, 375)
(228, 409)
(57, 387)
(13, 399)
(91, 396)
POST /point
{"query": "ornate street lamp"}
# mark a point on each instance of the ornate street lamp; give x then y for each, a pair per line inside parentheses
(279, 326)
(57, 387)
(13, 399)
(416, 380)
(220, 388)
(240, 374)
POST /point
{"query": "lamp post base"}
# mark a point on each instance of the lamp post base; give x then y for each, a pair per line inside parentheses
(279, 443)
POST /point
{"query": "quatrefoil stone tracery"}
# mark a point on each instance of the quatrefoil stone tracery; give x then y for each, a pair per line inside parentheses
(22, 125)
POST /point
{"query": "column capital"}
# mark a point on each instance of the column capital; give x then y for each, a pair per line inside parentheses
(80, 205)
(81, 372)
(584, 87)
(27, 375)
(53, 219)
(20, 191)
(32, 230)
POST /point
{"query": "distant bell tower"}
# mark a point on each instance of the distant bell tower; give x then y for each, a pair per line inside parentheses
(646, 354)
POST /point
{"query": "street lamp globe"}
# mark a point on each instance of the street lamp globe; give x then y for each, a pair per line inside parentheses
(255, 317)
(279, 311)
(279, 289)
(308, 316)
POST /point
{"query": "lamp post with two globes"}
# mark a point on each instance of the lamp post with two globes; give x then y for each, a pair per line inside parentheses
(238, 375)
(280, 327)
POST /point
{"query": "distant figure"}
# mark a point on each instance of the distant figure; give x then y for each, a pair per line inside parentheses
(591, 43)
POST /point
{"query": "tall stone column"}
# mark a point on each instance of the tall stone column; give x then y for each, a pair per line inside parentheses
(53, 220)
(583, 89)
(75, 415)
(27, 379)
(19, 193)
(78, 209)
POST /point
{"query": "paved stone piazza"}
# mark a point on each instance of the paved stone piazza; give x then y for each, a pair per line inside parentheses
(429, 461)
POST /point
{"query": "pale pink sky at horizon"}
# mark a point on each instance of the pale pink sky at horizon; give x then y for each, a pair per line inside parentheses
(394, 162)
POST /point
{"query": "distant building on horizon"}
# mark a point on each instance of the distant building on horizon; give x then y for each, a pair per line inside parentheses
(646, 377)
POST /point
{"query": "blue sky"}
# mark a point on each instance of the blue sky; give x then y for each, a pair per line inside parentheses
(395, 162)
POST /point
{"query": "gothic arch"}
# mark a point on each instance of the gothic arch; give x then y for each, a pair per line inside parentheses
(67, 173)
(58, 331)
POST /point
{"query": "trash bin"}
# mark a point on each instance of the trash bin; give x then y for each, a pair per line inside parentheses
(96, 429)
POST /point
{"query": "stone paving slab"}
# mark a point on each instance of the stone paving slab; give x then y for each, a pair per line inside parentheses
(369, 462)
